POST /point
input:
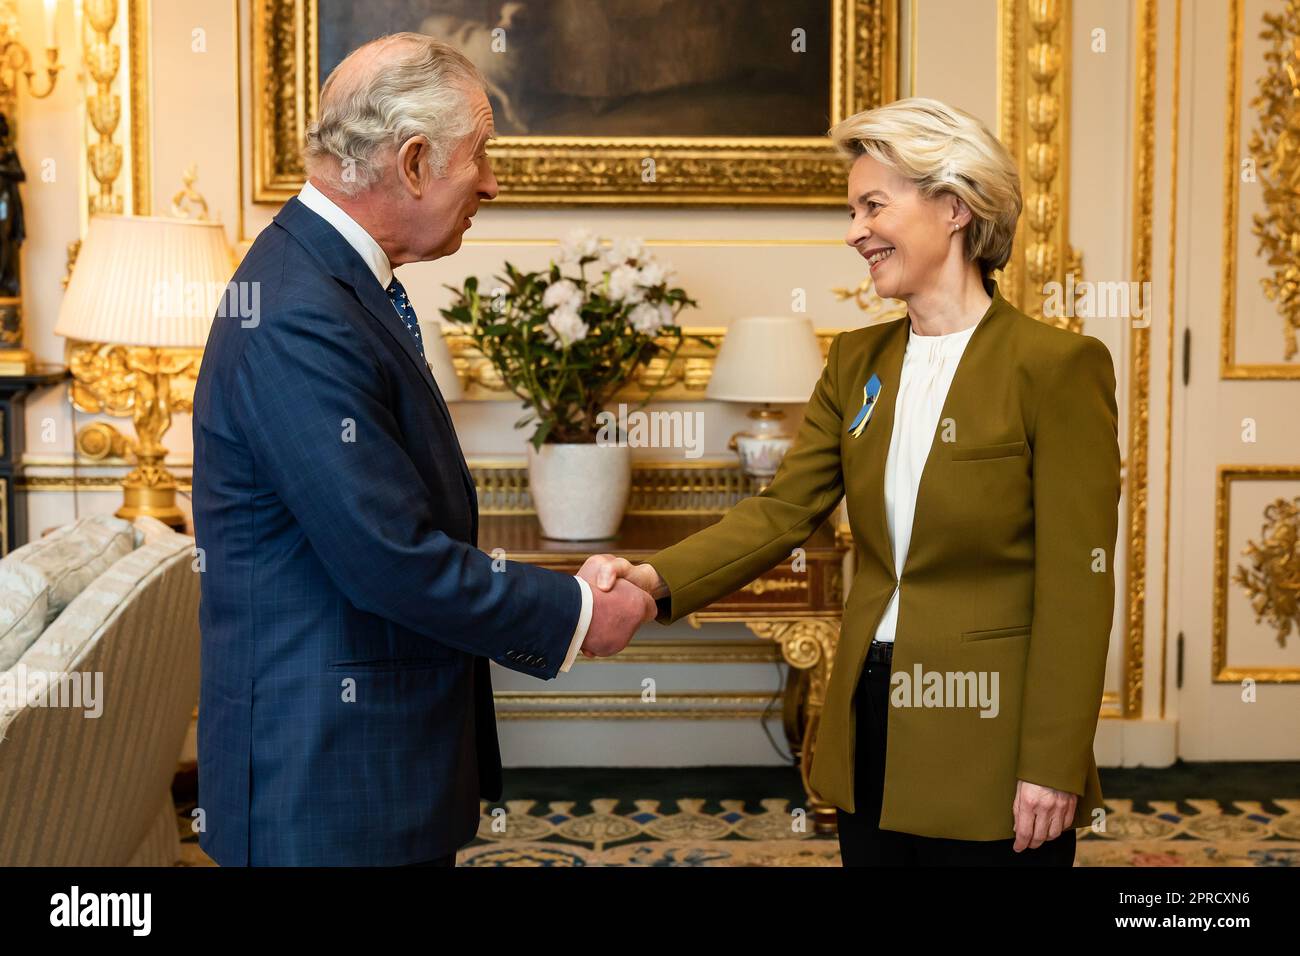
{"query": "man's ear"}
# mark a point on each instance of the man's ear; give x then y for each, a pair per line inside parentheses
(413, 165)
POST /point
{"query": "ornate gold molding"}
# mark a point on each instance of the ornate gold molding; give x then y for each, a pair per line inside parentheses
(683, 380)
(103, 106)
(621, 705)
(1280, 572)
(1273, 578)
(569, 171)
(1034, 121)
(1139, 366)
(705, 486)
(1229, 367)
(102, 53)
(138, 63)
(1275, 147)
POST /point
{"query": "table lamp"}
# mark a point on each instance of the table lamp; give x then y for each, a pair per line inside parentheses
(144, 290)
(765, 360)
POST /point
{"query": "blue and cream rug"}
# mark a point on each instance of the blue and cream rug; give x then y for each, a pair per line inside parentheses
(1142, 829)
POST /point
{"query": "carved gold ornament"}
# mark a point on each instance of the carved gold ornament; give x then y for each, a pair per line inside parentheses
(1273, 578)
(685, 378)
(1034, 91)
(580, 170)
(1275, 145)
(108, 100)
(104, 106)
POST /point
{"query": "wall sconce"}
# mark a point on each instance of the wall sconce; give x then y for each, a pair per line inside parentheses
(16, 59)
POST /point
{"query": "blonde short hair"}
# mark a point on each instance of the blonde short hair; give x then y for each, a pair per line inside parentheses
(944, 150)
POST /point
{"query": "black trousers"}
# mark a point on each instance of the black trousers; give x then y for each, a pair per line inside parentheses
(863, 843)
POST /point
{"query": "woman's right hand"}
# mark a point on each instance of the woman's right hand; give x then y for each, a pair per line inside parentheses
(603, 570)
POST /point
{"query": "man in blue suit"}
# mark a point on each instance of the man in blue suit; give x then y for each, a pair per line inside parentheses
(348, 618)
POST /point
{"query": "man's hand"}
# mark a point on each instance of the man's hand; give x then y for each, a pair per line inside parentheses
(1041, 814)
(616, 613)
(602, 570)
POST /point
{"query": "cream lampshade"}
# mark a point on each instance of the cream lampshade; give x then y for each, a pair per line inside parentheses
(144, 291)
(766, 360)
(440, 362)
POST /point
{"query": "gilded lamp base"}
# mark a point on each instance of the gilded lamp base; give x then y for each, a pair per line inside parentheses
(155, 501)
(16, 362)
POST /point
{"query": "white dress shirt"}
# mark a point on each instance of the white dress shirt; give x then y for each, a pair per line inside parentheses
(929, 364)
(377, 260)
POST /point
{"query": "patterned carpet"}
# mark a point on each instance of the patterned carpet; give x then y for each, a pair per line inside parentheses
(1227, 829)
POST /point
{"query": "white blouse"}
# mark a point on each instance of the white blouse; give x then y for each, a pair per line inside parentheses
(929, 364)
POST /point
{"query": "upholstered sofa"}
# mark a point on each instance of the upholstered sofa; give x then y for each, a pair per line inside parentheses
(110, 609)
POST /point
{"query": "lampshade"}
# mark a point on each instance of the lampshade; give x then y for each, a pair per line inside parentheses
(767, 359)
(439, 356)
(148, 280)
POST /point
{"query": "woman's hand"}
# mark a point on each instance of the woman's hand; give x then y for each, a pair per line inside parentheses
(602, 570)
(1041, 814)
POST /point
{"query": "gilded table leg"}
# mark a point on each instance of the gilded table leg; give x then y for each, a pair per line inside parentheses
(808, 646)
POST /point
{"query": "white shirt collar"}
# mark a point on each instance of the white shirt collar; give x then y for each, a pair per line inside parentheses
(351, 230)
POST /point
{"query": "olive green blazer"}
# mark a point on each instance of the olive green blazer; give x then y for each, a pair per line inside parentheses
(1009, 572)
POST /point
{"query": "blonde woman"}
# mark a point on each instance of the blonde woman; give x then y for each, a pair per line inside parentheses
(977, 450)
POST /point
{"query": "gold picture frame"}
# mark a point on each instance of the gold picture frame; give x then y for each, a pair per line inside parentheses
(593, 171)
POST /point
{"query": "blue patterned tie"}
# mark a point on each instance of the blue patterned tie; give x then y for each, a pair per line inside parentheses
(397, 295)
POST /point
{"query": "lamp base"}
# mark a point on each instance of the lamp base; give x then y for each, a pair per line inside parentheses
(763, 446)
(154, 501)
(16, 362)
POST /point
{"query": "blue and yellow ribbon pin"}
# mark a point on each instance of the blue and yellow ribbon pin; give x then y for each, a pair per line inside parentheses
(870, 392)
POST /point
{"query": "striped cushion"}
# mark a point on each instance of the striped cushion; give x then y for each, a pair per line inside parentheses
(71, 557)
(24, 597)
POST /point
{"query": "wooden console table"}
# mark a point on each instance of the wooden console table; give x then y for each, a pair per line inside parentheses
(799, 610)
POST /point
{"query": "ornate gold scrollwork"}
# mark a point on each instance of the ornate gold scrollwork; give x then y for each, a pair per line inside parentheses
(1273, 579)
(761, 586)
(684, 379)
(103, 106)
(1035, 100)
(1275, 145)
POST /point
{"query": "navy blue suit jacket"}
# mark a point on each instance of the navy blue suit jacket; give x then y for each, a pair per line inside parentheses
(348, 617)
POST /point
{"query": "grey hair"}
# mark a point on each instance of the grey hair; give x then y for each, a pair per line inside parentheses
(420, 90)
(942, 149)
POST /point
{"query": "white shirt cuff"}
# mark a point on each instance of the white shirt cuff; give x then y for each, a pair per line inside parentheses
(584, 621)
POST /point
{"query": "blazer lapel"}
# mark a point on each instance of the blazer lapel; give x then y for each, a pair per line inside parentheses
(341, 261)
(962, 404)
(888, 364)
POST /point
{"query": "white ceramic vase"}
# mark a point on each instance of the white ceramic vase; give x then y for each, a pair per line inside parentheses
(580, 491)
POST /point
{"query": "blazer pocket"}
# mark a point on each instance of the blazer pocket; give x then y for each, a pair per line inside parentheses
(1020, 630)
(391, 664)
(1006, 449)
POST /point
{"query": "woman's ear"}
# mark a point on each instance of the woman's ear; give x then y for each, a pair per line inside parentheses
(959, 211)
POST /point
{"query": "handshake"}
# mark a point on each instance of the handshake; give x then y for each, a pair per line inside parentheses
(623, 599)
